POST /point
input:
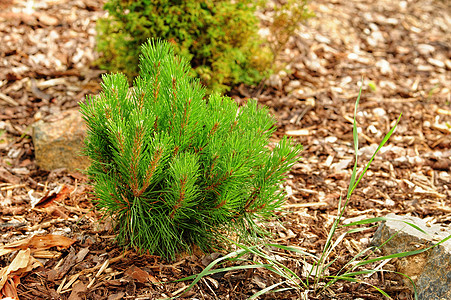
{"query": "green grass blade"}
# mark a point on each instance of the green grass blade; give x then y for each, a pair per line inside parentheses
(327, 245)
(403, 254)
(379, 219)
(355, 137)
(360, 229)
(387, 136)
(232, 268)
(265, 290)
(357, 256)
(292, 249)
(352, 279)
(205, 271)
(366, 221)
(275, 266)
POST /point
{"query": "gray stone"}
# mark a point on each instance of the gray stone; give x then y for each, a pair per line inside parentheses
(430, 270)
(58, 142)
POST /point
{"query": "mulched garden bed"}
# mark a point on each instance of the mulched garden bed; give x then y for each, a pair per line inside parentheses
(401, 49)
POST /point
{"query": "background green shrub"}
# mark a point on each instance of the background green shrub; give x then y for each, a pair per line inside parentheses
(219, 37)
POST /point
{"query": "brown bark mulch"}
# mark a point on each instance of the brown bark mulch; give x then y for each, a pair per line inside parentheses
(399, 51)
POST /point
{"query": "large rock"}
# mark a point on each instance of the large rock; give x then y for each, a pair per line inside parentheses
(430, 270)
(58, 143)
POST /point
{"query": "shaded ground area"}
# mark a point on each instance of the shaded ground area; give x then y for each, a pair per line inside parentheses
(401, 49)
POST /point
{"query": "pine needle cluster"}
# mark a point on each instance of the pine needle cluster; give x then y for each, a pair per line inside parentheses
(175, 170)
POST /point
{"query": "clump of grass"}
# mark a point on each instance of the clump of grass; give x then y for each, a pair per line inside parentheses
(319, 277)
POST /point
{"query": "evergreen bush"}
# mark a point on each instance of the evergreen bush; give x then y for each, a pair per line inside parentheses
(219, 37)
(175, 170)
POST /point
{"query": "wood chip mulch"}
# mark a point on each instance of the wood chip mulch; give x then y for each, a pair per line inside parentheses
(399, 51)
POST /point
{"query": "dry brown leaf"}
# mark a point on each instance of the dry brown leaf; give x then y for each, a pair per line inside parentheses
(9, 289)
(79, 288)
(22, 263)
(36, 243)
(12, 278)
(58, 193)
(138, 274)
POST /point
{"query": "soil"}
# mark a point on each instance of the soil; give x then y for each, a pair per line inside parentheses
(398, 52)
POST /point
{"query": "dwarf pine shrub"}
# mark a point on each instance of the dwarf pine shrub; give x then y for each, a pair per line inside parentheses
(219, 38)
(175, 170)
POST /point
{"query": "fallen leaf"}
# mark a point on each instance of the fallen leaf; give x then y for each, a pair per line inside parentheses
(9, 290)
(58, 193)
(82, 254)
(21, 264)
(138, 274)
(36, 243)
(79, 288)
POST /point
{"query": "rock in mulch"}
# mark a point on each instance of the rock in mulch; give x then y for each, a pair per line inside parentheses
(430, 270)
(58, 143)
